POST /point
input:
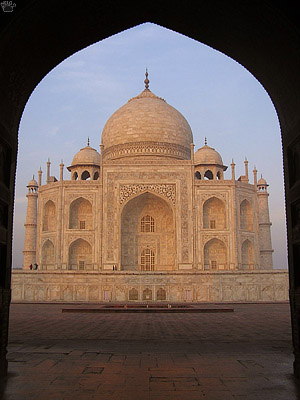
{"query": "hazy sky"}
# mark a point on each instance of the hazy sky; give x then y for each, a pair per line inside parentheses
(220, 99)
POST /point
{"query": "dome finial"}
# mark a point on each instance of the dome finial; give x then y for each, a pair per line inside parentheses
(205, 141)
(146, 81)
(88, 141)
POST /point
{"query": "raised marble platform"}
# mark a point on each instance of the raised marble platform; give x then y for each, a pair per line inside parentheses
(177, 286)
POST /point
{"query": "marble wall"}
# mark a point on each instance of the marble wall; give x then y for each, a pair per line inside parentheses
(200, 286)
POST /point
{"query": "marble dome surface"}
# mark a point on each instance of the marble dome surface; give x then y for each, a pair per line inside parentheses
(147, 118)
(86, 156)
(207, 155)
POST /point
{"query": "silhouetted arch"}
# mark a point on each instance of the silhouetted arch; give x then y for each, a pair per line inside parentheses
(208, 175)
(96, 175)
(85, 175)
(75, 176)
(197, 175)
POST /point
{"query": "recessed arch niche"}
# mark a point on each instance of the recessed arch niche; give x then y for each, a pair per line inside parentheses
(158, 240)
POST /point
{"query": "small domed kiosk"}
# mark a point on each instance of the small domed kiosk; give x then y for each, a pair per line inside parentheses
(208, 163)
(85, 164)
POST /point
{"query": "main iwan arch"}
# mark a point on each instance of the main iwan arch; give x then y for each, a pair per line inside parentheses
(251, 33)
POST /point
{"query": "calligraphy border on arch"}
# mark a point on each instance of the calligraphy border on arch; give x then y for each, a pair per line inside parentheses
(166, 190)
(114, 176)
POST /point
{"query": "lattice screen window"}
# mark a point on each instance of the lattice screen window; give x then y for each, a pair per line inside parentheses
(147, 224)
(81, 264)
(212, 224)
(82, 224)
(213, 264)
(147, 260)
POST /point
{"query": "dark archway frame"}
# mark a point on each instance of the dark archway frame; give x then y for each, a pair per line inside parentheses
(262, 35)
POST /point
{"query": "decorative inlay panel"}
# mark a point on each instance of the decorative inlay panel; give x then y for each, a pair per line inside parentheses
(128, 190)
(146, 148)
(209, 195)
(207, 238)
(166, 190)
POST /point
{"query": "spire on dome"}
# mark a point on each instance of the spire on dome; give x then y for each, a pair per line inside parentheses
(88, 141)
(205, 141)
(146, 81)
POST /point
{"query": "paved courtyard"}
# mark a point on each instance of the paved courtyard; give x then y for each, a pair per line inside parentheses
(245, 354)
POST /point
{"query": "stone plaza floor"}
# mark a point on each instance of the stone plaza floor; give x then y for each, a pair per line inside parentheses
(245, 354)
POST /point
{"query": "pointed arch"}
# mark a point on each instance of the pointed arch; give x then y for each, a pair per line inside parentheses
(96, 176)
(48, 254)
(247, 254)
(215, 255)
(214, 214)
(142, 217)
(85, 176)
(81, 214)
(208, 174)
(161, 294)
(80, 254)
(49, 216)
(246, 215)
(133, 294)
(147, 294)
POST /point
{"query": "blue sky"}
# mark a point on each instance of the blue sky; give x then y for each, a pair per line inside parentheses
(220, 99)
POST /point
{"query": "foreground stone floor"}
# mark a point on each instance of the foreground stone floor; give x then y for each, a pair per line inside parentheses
(246, 354)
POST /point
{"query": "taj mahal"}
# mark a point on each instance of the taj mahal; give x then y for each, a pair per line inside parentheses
(148, 218)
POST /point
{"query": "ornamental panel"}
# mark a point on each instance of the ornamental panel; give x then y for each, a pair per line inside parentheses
(166, 190)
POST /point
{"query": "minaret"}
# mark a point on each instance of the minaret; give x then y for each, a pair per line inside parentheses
(61, 167)
(246, 170)
(265, 243)
(29, 251)
(232, 171)
(48, 171)
(40, 176)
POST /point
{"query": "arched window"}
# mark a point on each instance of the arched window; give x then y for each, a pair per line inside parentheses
(80, 254)
(246, 216)
(208, 175)
(133, 294)
(96, 176)
(48, 255)
(81, 214)
(147, 260)
(247, 255)
(75, 176)
(85, 175)
(219, 175)
(197, 175)
(49, 222)
(161, 294)
(147, 224)
(147, 294)
(214, 214)
(215, 255)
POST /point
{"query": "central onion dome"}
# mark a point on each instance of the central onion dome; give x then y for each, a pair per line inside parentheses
(147, 126)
